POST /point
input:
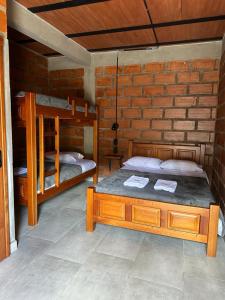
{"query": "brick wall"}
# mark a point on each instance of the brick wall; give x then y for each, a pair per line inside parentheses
(218, 181)
(172, 102)
(28, 71)
(64, 83)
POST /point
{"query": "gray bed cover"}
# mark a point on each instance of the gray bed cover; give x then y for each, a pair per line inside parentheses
(193, 191)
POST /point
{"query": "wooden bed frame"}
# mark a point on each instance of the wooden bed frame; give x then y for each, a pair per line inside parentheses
(26, 115)
(179, 221)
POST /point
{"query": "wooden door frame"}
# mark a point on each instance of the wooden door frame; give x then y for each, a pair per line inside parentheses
(4, 152)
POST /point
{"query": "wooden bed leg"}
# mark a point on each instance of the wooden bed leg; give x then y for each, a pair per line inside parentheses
(213, 230)
(90, 224)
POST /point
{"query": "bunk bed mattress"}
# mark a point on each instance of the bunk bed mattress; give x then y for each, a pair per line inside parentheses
(56, 102)
(192, 191)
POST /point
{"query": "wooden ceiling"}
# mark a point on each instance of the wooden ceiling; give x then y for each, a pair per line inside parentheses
(123, 24)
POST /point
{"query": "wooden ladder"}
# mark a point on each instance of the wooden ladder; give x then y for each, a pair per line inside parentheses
(56, 171)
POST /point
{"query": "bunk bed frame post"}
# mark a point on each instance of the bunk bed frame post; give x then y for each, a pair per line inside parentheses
(41, 154)
(57, 146)
(213, 228)
(95, 149)
(90, 224)
(31, 142)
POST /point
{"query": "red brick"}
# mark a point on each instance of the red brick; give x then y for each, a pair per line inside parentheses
(131, 113)
(130, 133)
(109, 113)
(214, 110)
(203, 64)
(215, 88)
(185, 101)
(112, 92)
(198, 136)
(199, 113)
(151, 113)
(184, 125)
(177, 89)
(109, 70)
(165, 78)
(140, 101)
(162, 101)
(124, 80)
(174, 136)
(154, 90)
(143, 79)
(175, 113)
(208, 101)
(152, 135)
(133, 91)
(187, 77)
(211, 76)
(154, 67)
(99, 92)
(123, 102)
(104, 102)
(104, 81)
(203, 88)
(132, 69)
(99, 70)
(161, 124)
(140, 124)
(105, 123)
(124, 123)
(206, 125)
(177, 66)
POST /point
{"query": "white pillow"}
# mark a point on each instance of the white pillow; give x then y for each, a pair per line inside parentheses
(142, 161)
(181, 165)
(66, 157)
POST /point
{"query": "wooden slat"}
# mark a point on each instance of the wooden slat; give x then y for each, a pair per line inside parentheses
(50, 172)
(57, 145)
(50, 133)
(41, 154)
(31, 157)
(213, 229)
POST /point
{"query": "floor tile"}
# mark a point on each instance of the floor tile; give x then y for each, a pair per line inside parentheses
(160, 260)
(55, 225)
(122, 243)
(77, 244)
(46, 278)
(201, 289)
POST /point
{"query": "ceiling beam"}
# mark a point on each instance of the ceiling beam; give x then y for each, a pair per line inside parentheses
(145, 46)
(147, 26)
(36, 28)
(62, 5)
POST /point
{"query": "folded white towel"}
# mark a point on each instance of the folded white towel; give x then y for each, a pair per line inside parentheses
(20, 171)
(136, 181)
(165, 185)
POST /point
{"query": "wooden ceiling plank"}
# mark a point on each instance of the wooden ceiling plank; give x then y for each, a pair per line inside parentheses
(105, 15)
(118, 39)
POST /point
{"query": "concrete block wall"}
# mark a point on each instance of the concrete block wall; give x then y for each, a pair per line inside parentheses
(168, 102)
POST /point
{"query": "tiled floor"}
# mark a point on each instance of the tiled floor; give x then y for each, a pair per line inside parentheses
(59, 260)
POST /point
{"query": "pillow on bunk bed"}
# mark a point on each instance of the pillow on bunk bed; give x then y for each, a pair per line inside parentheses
(142, 161)
(66, 157)
(181, 165)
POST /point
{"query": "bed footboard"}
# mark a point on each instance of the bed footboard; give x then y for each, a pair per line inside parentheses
(173, 220)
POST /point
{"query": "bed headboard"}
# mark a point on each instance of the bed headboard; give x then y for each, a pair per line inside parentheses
(164, 152)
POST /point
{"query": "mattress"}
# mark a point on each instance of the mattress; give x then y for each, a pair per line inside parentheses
(191, 190)
(56, 102)
(67, 171)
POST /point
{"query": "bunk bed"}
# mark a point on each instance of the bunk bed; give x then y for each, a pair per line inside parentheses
(30, 111)
(191, 213)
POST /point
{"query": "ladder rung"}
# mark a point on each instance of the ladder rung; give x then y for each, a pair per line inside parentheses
(50, 172)
(50, 133)
(51, 152)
